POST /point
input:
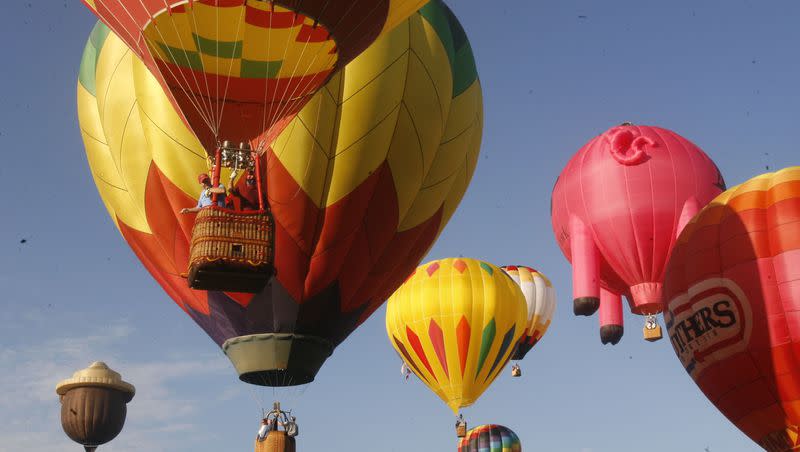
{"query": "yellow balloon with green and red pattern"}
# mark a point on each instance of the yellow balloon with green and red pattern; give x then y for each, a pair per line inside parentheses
(240, 70)
(360, 182)
(455, 323)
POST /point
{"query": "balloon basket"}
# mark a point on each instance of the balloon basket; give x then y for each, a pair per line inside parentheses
(276, 441)
(652, 334)
(231, 251)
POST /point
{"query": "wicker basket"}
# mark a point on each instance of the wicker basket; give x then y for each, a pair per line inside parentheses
(276, 441)
(231, 251)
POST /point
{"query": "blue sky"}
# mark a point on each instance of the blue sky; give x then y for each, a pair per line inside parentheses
(722, 73)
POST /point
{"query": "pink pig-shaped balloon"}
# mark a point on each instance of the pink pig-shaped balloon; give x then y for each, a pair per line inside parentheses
(617, 209)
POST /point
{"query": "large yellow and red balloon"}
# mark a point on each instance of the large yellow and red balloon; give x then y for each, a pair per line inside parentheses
(455, 323)
(733, 306)
(240, 70)
(360, 183)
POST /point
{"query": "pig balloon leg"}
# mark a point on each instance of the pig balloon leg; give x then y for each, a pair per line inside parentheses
(585, 269)
(611, 323)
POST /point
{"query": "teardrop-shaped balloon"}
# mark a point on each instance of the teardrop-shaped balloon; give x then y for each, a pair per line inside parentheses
(733, 291)
(455, 322)
(540, 296)
(360, 184)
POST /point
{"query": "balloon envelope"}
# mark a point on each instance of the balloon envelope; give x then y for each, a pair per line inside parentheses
(490, 438)
(94, 405)
(617, 208)
(360, 183)
(733, 285)
(455, 323)
(540, 296)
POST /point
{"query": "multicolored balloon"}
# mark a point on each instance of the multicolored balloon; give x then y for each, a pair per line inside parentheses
(733, 311)
(490, 438)
(360, 184)
(617, 209)
(540, 295)
(455, 323)
(240, 70)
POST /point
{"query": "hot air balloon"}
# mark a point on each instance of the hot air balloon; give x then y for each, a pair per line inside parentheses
(733, 287)
(94, 405)
(360, 184)
(455, 323)
(240, 70)
(617, 209)
(490, 438)
(540, 296)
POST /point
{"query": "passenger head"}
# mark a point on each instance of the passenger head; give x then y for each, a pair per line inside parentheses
(204, 180)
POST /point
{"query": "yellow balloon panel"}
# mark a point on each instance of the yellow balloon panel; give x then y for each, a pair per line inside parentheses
(455, 323)
(429, 57)
(446, 177)
(392, 102)
(399, 10)
(104, 137)
(175, 149)
(300, 153)
(464, 176)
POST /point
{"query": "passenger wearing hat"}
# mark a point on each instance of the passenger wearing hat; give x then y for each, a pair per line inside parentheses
(246, 195)
(206, 195)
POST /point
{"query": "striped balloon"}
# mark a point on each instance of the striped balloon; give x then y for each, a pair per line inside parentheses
(490, 438)
(455, 323)
(733, 311)
(541, 298)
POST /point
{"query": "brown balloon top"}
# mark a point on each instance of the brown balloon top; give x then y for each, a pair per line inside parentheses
(98, 374)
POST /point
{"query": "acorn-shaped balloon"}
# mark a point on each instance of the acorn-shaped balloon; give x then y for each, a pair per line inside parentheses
(94, 405)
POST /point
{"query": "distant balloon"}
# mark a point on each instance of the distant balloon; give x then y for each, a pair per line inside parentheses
(733, 291)
(490, 438)
(617, 209)
(94, 405)
(360, 185)
(455, 323)
(540, 296)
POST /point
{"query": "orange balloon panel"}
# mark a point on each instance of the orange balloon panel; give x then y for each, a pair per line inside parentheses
(733, 285)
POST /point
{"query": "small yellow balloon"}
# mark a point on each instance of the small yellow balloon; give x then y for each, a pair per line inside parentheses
(455, 323)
